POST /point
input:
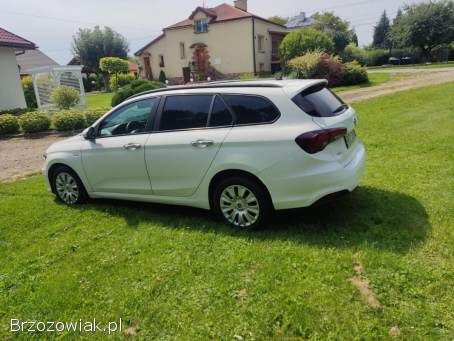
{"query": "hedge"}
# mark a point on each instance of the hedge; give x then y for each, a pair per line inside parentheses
(69, 120)
(8, 125)
(91, 116)
(33, 122)
(133, 89)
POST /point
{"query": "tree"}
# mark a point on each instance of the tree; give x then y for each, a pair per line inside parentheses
(336, 28)
(297, 43)
(425, 26)
(355, 39)
(381, 32)
(113, 65)
(90, 45)
(279, 20)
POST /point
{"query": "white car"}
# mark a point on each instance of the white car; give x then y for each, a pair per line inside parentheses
(241, 149)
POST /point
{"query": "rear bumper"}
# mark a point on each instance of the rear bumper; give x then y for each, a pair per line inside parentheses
(310, 181)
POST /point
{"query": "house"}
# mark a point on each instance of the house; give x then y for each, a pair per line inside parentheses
(299, 21)
(220, 42)
(11, 93)
(30, 59)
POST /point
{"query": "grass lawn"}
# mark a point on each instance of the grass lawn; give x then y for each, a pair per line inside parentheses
(96, 100)
(174, 273)
(414, 66)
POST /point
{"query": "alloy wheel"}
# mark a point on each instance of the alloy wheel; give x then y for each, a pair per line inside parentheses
(239, 205)
(67, 188)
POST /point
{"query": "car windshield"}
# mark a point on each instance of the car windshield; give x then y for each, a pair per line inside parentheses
(318, 101)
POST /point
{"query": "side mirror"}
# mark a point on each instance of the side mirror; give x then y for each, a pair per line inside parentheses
(90, 134)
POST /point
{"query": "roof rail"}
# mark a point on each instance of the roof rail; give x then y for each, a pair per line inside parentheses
(218, 84)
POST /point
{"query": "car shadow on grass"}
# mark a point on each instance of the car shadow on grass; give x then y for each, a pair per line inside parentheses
(382, 219)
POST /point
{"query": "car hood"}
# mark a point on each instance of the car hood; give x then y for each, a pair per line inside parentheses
(70, 144)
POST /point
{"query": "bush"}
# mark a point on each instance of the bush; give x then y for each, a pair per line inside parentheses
(121, 80)
(298, 43)
(353, 52)
(138, 82)
(29, 92)
(33, 122)
(162, 77)
(306, 66)
(69, 120)
(353, 73)
(65, 97)
(14, 112)
(376, 57)
(317, 65)
(91, 116)
(128, 91)
(8, 124)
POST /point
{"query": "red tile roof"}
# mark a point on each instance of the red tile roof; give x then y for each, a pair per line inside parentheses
(12, 40)
(223, 12)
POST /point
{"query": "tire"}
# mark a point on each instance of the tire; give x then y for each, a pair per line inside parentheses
(68, 187)
(242, 202)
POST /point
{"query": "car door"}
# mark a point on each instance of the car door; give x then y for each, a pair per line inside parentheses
(114, 161)
(190, 129)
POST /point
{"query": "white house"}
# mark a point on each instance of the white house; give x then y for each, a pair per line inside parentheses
(11, 93)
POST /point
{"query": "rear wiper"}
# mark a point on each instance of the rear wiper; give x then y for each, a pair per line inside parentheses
(341, 108)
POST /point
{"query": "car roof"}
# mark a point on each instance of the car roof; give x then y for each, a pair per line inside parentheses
(291, 86)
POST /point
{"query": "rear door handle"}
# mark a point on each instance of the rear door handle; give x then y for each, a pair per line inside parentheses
(202, 143)
(132, 146)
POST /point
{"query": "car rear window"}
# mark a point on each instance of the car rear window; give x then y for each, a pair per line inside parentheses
(251, 109)
(319, 101)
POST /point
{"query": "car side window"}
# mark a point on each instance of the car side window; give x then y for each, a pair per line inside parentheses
(220, 114)
(251, 109)
(185, 112)
(130, 119)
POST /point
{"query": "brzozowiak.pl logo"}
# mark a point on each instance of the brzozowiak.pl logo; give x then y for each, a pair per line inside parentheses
(81, 326)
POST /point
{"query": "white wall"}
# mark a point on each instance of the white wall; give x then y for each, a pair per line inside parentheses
(11, 93)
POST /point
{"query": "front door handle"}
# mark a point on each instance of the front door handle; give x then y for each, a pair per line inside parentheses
(202, 143)
(132, 146)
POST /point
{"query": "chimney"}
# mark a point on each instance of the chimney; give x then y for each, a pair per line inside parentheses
(303, 15)
(241, 4)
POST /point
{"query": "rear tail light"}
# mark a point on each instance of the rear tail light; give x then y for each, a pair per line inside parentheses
(315, 141)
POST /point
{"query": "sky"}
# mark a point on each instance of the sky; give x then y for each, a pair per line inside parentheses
(51, 23)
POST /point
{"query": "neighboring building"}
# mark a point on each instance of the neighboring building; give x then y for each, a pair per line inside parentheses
(220, 42)
(31, 59)
(11, 93)
(299, 21)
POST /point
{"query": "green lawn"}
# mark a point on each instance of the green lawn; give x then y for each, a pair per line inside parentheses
(374, 79)
(414, 66)
(96, 100)
(174, 273)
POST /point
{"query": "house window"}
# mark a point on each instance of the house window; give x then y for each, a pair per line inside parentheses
(182, 51)
(261, 43)
(161, 61)
(201, 25)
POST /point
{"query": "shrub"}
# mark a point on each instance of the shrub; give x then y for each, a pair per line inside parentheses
(353, 52)
(29, 92)
(65, 97)
(162, 77)
(121, 80)
(317, 65)
(127, 91)
(33, 122)
(69, 120)
(138, 82)
(15, 111)
(305, 66)
(300, 42)
(8, 124)
(91, 116)
(353, 73)
(376, 57)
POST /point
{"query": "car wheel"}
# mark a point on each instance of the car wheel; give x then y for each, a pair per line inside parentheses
(68, 187)
(242, 202)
